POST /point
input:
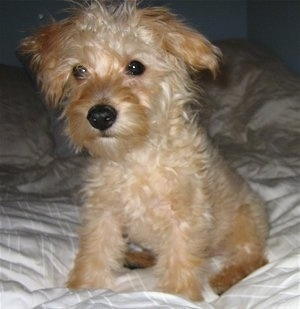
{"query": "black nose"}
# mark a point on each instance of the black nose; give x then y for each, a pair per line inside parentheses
(102, 117)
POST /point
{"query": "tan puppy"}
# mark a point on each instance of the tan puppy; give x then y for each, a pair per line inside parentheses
(121, 76)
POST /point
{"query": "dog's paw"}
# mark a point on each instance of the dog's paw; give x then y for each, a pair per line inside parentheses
(188, 288)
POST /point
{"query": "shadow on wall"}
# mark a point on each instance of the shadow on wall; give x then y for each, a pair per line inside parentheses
(276, 25)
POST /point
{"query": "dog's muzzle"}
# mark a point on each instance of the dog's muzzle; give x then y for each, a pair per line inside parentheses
(102, 117)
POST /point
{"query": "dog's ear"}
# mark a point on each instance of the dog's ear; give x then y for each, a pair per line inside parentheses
(42, 53)
(180, 40)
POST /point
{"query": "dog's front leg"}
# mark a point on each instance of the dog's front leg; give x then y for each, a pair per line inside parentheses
(180, 262)
(101, 251)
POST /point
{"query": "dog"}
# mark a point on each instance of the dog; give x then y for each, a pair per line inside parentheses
(121, 75)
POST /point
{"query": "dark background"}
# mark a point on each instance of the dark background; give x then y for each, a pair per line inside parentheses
(274, 24)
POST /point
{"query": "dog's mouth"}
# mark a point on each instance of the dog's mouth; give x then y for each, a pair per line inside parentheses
(106, 134)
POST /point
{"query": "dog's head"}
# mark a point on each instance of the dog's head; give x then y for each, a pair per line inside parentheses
(116, 70)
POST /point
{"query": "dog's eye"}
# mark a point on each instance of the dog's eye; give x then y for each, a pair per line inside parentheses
(135, 68)
(80, 72)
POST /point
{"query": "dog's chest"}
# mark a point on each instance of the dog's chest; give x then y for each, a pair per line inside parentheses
(151, 194)
(146, 192)
(147, 206)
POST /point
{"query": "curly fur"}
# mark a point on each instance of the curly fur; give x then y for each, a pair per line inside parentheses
(154, 175)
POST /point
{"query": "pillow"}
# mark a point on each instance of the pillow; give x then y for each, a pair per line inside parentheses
(256, 101)
(24, 123)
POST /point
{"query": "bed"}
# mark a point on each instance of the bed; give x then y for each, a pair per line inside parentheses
(253, 117)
